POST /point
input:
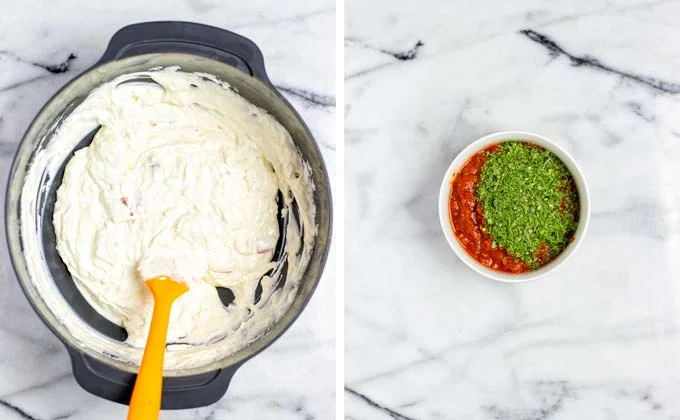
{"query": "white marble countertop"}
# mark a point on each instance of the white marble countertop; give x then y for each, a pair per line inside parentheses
(427, 338)
(293, 379)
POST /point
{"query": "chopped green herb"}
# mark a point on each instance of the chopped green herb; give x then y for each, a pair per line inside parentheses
(528, 198)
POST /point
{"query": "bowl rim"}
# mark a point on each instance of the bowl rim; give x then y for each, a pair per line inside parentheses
(16, 176)
(502, 137)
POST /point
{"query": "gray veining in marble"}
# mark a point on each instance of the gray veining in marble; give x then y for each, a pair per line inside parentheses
(426, 338)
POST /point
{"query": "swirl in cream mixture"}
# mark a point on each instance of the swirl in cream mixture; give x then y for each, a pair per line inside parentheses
(182, 168)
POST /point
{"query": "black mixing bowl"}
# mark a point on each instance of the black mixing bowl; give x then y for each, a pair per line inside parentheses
(194, 48)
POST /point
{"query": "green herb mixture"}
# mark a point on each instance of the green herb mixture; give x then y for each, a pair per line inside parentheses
(528, 198)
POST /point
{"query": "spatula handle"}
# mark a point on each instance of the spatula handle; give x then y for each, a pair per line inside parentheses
(145, 403)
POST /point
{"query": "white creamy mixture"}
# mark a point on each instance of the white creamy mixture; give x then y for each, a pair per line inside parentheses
(184, 171)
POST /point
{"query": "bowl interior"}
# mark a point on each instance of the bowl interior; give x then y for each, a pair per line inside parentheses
(77, 301)
(55, 272)
(462, 158)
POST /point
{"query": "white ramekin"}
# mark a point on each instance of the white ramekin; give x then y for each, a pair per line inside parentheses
(501, 137)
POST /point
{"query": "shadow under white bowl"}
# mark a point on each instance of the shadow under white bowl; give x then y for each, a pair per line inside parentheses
(501, 137)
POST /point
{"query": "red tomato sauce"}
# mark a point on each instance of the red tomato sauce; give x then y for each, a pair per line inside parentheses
(467, 218)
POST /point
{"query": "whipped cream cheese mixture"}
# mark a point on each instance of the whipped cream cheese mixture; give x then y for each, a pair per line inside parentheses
(183, 172)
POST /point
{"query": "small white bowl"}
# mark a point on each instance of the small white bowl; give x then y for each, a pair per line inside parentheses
(501, 137)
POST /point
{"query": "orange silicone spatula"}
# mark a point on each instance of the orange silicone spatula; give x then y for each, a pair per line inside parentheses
(145, 403)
